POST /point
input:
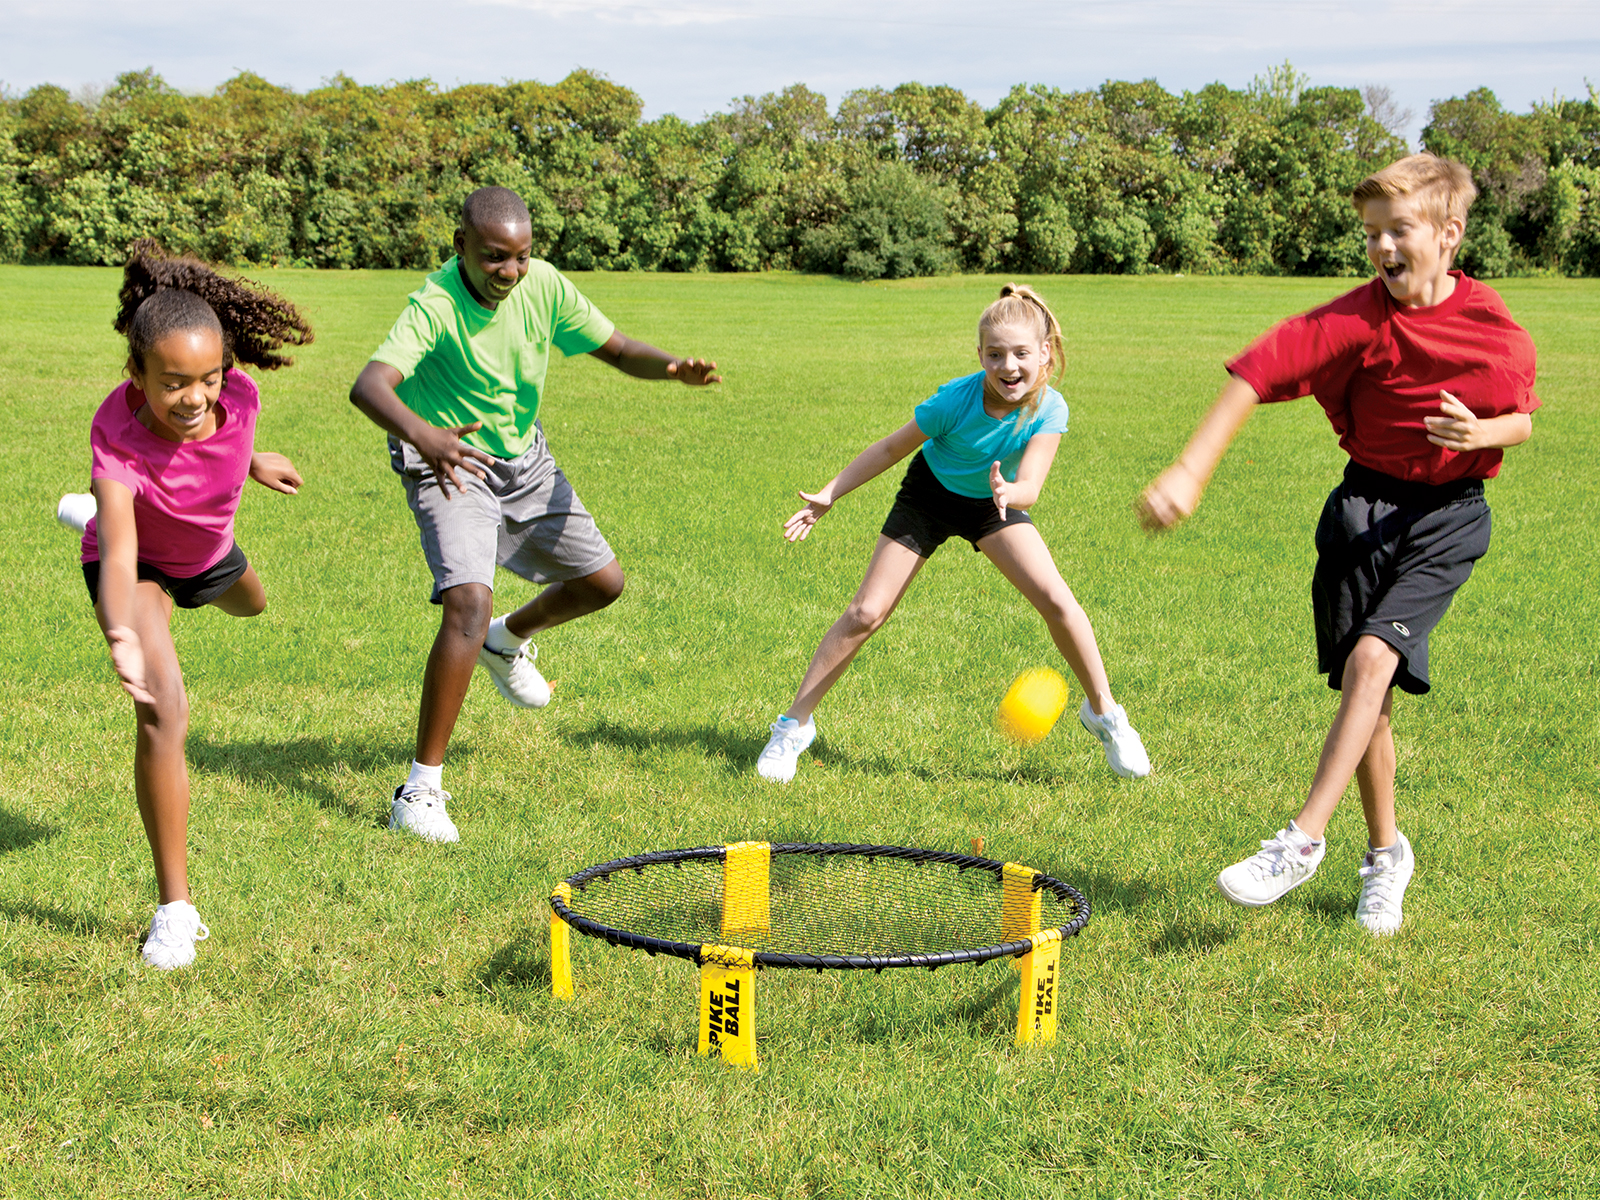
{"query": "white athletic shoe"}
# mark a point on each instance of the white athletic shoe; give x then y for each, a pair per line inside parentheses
(174, 930)
(421, 811)
(515, 675)
(1383, 885)
(1284, 862)
(75, 509)
(1124, 750)
(789, 741)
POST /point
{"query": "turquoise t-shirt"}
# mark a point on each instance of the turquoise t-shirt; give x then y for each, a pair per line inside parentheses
(964, 441)
(461, 362)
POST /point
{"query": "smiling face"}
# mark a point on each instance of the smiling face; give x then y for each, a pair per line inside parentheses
(181, 378)
(1411, 254)
(494, 258)
(1015, 361)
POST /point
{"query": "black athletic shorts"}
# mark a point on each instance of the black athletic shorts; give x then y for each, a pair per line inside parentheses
(1390, 556)
(926, 513)
(196, 591)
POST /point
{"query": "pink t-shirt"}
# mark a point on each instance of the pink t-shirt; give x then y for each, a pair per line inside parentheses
(184, 493)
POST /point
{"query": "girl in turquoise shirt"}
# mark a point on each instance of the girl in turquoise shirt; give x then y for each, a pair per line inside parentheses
(986, 443)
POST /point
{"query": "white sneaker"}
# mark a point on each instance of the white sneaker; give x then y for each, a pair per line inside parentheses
(420, 810)
(174, 930)
(515, 675)
(789, 741)
(1124, 750)
(75, 509)
(1383, 885)
(1284, 862)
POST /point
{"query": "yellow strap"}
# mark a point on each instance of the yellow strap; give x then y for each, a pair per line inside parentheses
(1019, 903)
(561, 947)
(746, 890)
(728, 1005)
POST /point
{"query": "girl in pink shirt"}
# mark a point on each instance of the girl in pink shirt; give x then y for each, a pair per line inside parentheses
(171, 449)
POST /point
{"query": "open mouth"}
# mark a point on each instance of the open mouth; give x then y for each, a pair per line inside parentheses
(1393, 270)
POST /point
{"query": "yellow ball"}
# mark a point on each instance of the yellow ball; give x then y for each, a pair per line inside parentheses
(1032, 705)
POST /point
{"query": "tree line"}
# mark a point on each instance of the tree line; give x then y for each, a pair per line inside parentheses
(1126, 178)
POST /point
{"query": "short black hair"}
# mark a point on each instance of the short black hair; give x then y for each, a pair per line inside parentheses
(493, 206)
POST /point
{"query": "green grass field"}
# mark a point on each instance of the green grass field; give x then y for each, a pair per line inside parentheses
(371, 1016)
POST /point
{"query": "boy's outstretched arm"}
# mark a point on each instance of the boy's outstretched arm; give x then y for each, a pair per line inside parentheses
(443, 450)
(1173, 494)
(869, 464)
(644, 361)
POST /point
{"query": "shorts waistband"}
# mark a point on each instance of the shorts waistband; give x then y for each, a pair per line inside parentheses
(1375, 485)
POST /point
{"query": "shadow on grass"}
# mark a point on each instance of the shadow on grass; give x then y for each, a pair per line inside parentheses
(1188, 936)
(306, 765)
(18, 832)
(737, 754)
(524, 963)
(48, 914)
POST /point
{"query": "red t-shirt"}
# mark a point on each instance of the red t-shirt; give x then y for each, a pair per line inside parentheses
(184, 493)
(1377, 368)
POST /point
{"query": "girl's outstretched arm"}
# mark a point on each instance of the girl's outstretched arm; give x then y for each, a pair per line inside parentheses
(1173, 494)
(276, 472)
(1031, 474)
(119, 573)
(869, 464)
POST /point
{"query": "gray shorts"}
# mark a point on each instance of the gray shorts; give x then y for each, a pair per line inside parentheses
(525, 517)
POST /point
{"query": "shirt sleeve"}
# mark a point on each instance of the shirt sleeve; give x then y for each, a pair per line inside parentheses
(936, 416)
(415, 333)
(577, 326)
(1052, 414)
(1311, 354)
(105, 462)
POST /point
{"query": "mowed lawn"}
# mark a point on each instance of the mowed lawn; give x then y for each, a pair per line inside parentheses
(372, 1016)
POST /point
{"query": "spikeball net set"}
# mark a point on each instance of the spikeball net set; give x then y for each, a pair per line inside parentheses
(823, 907)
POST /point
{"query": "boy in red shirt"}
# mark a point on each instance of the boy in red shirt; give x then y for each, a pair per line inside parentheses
(1426, 379)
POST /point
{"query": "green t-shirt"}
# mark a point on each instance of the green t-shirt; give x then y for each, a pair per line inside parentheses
(461, 362)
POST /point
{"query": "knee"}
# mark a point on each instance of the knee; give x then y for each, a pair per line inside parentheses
(169, 715)
(863, 618)
(1060, 607)
(467, 611)
(1372, 662)
(605, 586)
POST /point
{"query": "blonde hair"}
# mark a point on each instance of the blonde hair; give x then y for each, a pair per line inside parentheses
(1020, 305)
(1442, 187)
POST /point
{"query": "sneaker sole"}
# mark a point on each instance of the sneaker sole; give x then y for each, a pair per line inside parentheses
(1247, 902)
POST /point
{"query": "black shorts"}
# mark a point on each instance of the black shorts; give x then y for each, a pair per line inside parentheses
(196, 591)
(926, 513)
(1390, 557)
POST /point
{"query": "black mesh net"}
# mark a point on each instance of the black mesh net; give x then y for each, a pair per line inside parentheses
(884, 905)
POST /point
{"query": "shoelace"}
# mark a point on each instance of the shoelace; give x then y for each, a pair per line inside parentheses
(791, 737)
(1274, 858)
(163, 927)
(1377, 878)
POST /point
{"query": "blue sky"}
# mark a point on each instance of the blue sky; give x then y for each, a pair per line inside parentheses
(692, 58)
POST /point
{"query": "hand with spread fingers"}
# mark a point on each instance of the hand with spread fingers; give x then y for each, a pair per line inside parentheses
(695, 372)
(798, 527)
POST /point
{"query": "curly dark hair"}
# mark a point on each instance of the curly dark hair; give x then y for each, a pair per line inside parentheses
(255, 323)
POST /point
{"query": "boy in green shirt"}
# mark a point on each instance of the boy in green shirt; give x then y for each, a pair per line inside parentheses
(457, 385)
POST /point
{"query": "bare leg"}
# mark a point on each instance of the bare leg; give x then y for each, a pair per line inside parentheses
(246, 598)
(1358, 740)
(889, 574)
(462, 627)
(1375, 779)
(567, 601)
(160, 773)
(1023, 558)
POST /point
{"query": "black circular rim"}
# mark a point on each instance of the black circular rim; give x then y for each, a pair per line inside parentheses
(816, 962)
